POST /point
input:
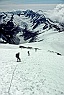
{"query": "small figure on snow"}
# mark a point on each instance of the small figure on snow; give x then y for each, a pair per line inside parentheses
(28, 53)
(35, 49)
(18, 58)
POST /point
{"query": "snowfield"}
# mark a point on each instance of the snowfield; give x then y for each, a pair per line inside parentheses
(41, 73)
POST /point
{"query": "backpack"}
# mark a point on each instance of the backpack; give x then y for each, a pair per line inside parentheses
(17, 55)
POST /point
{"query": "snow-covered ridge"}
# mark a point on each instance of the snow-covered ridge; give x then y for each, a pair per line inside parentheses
(29, 26)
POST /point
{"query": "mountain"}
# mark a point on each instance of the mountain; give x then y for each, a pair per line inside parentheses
(26, 26)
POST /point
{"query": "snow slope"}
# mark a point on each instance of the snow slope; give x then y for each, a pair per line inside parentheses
(41, 73)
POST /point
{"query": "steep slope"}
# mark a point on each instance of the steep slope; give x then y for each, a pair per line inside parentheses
(41, 73)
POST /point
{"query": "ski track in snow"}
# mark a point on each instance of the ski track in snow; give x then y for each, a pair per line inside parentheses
(41, 73)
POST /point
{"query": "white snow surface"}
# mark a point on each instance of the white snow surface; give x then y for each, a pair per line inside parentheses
(41, 73)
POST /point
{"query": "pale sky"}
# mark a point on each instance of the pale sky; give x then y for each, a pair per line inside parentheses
(29, 4)
(12, 7)
(32, 1)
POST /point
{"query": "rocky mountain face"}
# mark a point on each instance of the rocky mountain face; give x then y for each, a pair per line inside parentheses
(25, 26)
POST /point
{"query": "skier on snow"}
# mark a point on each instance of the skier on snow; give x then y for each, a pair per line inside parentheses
(18, 58)
(28, 53)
